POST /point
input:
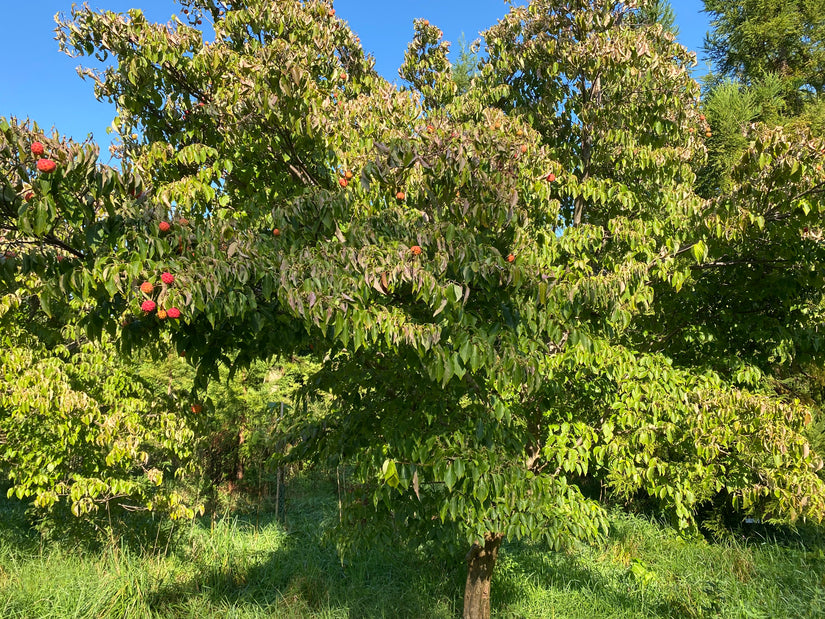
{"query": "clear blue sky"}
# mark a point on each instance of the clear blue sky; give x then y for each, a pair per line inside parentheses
(41, 83)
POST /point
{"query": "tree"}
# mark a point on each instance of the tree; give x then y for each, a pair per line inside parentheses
(475, 269)
(766, 57)
(466, 65)
(750, 39)
(731, 110)
(659, 12)
(79, 427)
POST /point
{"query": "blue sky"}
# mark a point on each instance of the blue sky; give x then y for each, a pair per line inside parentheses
(41, 83)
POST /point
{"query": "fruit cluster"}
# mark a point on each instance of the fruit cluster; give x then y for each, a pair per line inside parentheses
(149, 305)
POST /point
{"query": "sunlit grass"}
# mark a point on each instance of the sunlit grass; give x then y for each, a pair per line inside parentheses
(251, 566)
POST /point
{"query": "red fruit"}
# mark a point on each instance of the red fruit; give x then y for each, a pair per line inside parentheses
(348, 174)
(164, 226)
(196, 408)
(343, 182)
(343, 77)
(523, 148)
(702, 117)
(332, 12)
(162, 314)
(415, 250)
(60, 257)
(46, 165)
(38, 149)
(400, 195)
(183, 221)
(551, 177)
(511, 258)
(28, 196)
(148, 306)
(708, 134)
(430, 128)
(276, 232)
(173, 312)
(146, 287)
(167, 278)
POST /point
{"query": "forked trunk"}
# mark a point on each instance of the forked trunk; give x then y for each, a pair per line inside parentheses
(480, 563)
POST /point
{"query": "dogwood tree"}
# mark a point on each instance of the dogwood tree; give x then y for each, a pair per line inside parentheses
(475, 269)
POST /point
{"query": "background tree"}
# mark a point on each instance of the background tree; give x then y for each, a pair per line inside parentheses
(750, 39)
(465, 67)
(766, 57)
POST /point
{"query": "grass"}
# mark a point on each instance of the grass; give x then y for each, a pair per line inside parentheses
(252, 567)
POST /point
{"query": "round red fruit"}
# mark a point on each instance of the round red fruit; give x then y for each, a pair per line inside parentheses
(167, 278)
(147, 287)
(415, 250)
(38, 149)
(400, 195)
(343, 182)
(173, 312)
(511, 258)
(46, 165)
(28, 197)
(551, 177)
(148, 306)
(164, 226)
(162, 314)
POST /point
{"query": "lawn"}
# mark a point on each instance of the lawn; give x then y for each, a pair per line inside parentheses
(248, 565)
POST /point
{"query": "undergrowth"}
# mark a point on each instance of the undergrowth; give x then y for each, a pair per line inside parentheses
(246, 564)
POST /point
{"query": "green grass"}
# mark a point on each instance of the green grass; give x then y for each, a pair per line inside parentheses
(253, 567)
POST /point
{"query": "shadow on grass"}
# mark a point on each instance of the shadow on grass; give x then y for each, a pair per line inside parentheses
(301, 574)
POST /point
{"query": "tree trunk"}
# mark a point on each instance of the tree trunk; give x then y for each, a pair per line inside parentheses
(480, 563)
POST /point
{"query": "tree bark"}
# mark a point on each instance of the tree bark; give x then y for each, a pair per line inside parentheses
(480, 563)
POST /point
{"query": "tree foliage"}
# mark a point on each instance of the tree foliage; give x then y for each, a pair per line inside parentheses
(750, 39)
